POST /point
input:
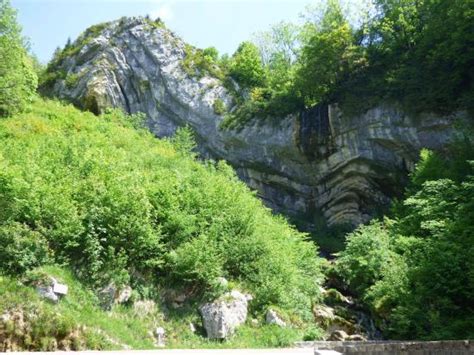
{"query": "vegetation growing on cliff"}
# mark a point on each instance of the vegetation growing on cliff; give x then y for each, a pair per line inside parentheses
(415, 270)
(418, 53)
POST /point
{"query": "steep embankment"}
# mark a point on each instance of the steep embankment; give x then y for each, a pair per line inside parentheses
(148, 232)
(321, 165)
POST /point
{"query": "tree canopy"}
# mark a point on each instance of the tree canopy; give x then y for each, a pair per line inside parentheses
(18, 79)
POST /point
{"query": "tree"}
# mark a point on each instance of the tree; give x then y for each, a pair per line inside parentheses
(281, 41)
(425, 49)
(246, 66)
(327, 57)
(18, 79)
(212, 53)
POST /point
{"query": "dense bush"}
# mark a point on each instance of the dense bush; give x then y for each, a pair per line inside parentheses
(219, 107)
(21, 248)
(416, 272)
(417, 53)
(113, 202)
(246, 66)
(18, 79)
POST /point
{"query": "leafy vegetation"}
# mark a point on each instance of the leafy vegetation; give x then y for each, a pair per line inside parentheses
(200, 62)
(417, 53)
(18, 79)
(110, 201)
(219, 107)
(75, 323)
(415, 270)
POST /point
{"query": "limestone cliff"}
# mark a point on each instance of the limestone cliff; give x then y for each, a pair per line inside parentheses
(320, 165)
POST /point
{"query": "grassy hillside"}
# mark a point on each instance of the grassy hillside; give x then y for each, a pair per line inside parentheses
(114, 205)
(75, 323)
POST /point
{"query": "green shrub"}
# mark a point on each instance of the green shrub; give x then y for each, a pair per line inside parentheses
(196, 261)
(21, 249)
(415, 273)
(246, 66)
(198, 62)
(366, 255)
(18, 79)
(72, 80)
(112, 201)
(219, 107)
(155, 24)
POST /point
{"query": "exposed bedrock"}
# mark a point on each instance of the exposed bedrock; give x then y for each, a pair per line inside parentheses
(320, 165)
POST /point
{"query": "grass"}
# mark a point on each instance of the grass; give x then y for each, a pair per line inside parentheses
(77, 312)
(120, 328)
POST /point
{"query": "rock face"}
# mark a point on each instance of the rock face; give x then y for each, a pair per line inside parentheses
(272, 317)
(221, 317)
(51, 289)
(318, 166)
(110, 295)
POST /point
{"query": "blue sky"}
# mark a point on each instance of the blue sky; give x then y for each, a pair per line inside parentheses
(203, 23)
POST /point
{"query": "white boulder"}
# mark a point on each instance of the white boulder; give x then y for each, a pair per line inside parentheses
(272, 317)
(51, 289)
(221, 317)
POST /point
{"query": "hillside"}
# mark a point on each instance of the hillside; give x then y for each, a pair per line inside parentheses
(141, 184)
(121, 208)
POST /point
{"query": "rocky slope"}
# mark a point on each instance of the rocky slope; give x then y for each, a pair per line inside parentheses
(318, 166)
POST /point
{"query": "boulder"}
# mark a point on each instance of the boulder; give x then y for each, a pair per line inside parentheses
(51, 289)
(176, 297)
(324, 315)
(333, 297)
(123, 295)
(47, 293)
(111, 294)
(356, 337)
(221, 317)
(273, 318)
(338, 335)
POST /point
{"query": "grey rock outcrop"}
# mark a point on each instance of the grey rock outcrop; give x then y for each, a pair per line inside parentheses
(272, 317)
(221, 317)
(51, 289)
(111, 294)
(318, 166)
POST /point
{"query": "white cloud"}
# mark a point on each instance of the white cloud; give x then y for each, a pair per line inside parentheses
(162, 10)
